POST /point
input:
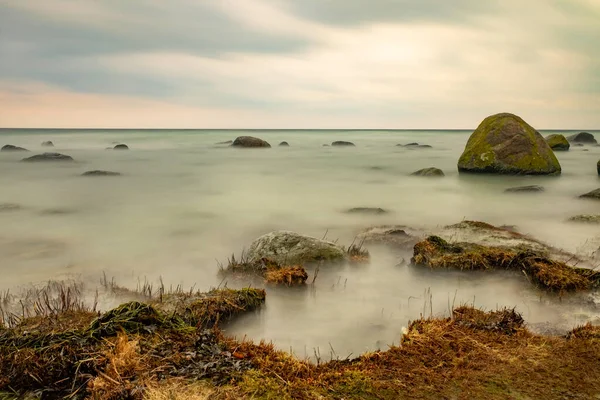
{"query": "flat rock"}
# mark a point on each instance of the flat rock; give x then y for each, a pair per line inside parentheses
(121, 147)
(47, 144)
(367, 210)
(585, 218)
(558, 142)
(525, 189)
(100, 173)
(48, 157)
(594, 194)
(432, 171)
(250, 142)
(290, 248)
(10, 147)
(583, 137)
(341, 143)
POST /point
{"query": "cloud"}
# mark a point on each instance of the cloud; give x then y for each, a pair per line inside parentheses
(395, 64)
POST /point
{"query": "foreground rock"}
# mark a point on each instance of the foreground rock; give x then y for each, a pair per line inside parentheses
(525, 189)
(121, 147)
(284, 144)
(429, 172)
(583, 138)
(558, 142)
(100, 173)
(367, 210)
(341, 143)
(594, 195)
(250, 142)
(10, 147)
(584, 218)
(47, 144)
(505, 144)
(48, 157)
(289, 248)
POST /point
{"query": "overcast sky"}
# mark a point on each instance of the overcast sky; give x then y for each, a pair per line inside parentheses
(298, 63)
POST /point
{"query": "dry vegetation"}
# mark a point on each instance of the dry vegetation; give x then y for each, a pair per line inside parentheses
(264, 270)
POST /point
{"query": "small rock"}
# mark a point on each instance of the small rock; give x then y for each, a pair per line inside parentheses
(10, 147)
(121, 147)
(284, 144)
(341, 143)
(529, 188)
(48, 157)
(250, 142)
(47, 144)
(590, 219)
(429, 172)
(397, 236)
(325, 145)
(583, 137)
(594, 194)
(558, 142)
(367, 210)
(410, 144)
(5, 207)
(100, 173)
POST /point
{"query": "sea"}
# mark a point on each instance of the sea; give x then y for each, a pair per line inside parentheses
(184, 204)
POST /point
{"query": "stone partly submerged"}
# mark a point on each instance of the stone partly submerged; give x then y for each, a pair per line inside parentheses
(100, 173)
(250, 142)
(583, 137)
(47, 144)
(598, 167)
(290, 248)
(10, 147)
(341, 143)
(586, 219)
(558, 142)
(121, 147)
(432, 171)
(48, 157)
(284, 144)
(367, 210)
(525, 189)
(505, 144)
(594, 195)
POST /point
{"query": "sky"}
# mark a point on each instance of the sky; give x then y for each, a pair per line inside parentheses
(306, 64)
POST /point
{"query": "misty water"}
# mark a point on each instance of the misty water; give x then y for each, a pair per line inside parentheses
(184, 204)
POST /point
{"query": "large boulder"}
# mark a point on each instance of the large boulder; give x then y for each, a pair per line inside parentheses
(432, 171)
(505, 144)
(10, 147)
(341, 143)
(558, 142)
(48, 157)
(289, 248)
(249, 142)
(583, 137)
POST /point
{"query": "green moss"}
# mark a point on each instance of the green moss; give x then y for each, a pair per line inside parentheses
(558, 142)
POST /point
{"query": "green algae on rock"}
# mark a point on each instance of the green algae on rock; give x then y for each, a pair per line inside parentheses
(558, 142)
(505, 144)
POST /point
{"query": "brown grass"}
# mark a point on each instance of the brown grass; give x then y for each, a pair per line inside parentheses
(358, 254)
(289, 276)
(266, 270)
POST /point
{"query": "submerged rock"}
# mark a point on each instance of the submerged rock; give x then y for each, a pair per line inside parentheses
(396, 236)
(10, 147)
(100, 173)
(505, 144)
(284, 144)
(585, 218)
(558, 142)
(225, 142)
(47, 144)
(250, 142)
(367, 210)
(415, 146)
(432, 171)
(289, 248)
(598, 167)
(5, 207)
(121, 147)
(525, 189)
(48, 157)
(341, 143)
(583, 137)
(594, 194)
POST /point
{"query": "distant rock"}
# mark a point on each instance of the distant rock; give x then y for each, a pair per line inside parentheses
(594, 195)
(410, 144)
(6, 207)
(367, 210)
(10, 147)
(121, 147)
(397, 236)
(48, 157)
(284, 144)
(289, 248)
(505, 144)
(225, 142)
(325, 145)
(558, 142)
(583, 137)
(429, 172)
(598, 167)
(47, 144)
(590, 219)
(415, 146)
(100, 173)
(341, 143)
(525, 189)
(250, 142)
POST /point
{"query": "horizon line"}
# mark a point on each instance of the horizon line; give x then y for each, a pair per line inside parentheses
(277, 129)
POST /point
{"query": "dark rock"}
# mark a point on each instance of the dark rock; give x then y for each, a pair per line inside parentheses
(415, 146)
(325, 145)
(521, 189)
(121, 147)
(47, 144)
(594, 195)
(250, 142)
(598, 167)
(558, 142)
(284, 144)
(410, 144)
(429, 172)
(100, 173)
(225, 142)
(583, 137)
(424, 146)
(341, 143)
(505, 144)
(48, 157)
(10, 147)
(367, 210)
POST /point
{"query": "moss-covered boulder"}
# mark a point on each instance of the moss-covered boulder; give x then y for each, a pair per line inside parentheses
(558, 142)
(505, 144)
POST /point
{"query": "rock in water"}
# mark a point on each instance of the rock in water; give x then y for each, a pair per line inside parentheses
(598, 167)
(249, 142)
(585, 218)
(505, 144)
(341, 143)
(289, 248)
(594, 194)
(429, 172)
(48, 157)
(367, 210)
(121, 147)
(583, 137)
(10, 147)
(225, 142)
(558, 142)
(284, 144)
(100, 173)
(47, 144)
(522, 189)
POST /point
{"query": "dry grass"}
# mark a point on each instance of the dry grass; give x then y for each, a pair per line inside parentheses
(265, 270)
(179, 390)
(289, 276)
(554, 276)
(357, 253)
